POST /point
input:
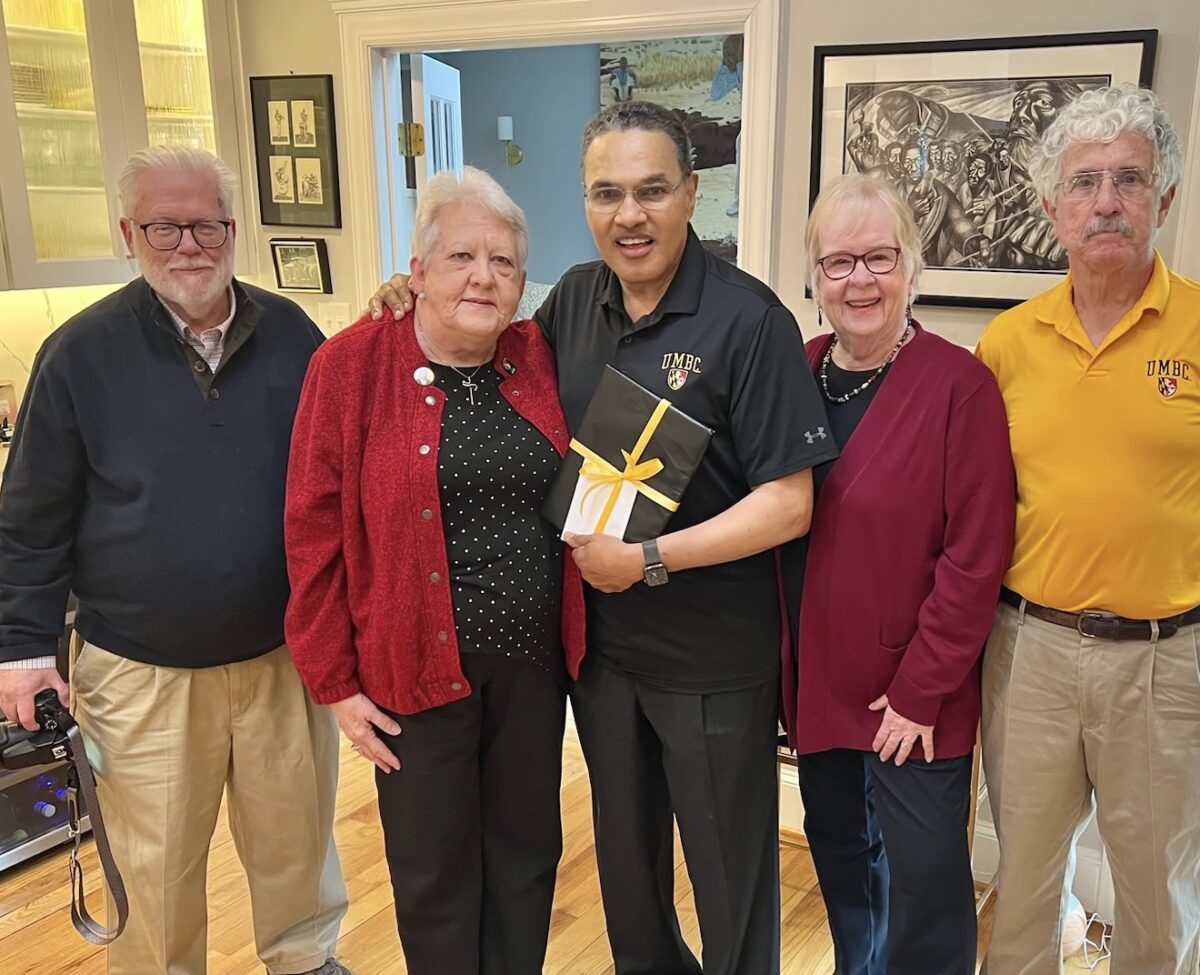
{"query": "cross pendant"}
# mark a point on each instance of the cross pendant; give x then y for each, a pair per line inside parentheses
(470, 388)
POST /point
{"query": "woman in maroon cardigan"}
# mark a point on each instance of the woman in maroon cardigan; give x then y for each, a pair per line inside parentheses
(431, 605)
(912, 531)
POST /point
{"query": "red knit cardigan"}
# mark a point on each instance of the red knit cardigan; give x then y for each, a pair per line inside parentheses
(370, 608)
(911, 535)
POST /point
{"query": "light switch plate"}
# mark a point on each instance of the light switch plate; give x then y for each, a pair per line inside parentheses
(332, 316)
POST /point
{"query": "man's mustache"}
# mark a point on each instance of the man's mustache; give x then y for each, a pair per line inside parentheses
(1108, 225)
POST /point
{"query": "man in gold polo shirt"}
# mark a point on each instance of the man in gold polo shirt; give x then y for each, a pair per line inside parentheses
(1092, 670)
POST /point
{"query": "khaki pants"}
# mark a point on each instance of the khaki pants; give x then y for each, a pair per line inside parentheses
(1067, 718)
(165, 744)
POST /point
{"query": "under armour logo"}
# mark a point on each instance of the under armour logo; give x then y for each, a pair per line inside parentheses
(814, 437)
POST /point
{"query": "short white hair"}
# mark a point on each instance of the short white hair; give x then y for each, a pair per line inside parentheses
(448, 188)
(1104, 115)
(185, 158)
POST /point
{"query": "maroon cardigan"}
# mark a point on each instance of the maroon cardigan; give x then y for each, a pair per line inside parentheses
(911, 535)
(370, 608)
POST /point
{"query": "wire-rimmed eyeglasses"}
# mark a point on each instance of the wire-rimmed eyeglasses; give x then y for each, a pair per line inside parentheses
(878, 260)
(649, 196)
(163, 236)
(1131, 183)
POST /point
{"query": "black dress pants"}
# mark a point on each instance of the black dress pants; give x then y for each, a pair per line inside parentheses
(890, 848)
(471, 822)
(710, 759)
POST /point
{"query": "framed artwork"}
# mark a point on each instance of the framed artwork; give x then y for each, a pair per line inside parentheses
(953, 124)
(301, 265)
(295, 149)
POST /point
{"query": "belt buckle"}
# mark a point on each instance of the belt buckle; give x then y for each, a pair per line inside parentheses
(1093, 616)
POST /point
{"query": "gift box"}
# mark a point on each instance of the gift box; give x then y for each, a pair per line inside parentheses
(628, 465)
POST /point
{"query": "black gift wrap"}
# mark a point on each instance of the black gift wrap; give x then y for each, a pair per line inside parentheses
(616, 416)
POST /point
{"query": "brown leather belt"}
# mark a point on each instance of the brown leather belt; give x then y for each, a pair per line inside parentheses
(1104, 626)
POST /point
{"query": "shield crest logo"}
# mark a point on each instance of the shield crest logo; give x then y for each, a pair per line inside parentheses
(676, 378)
(1167, 386)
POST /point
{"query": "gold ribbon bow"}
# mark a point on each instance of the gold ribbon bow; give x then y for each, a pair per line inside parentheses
(603, 474)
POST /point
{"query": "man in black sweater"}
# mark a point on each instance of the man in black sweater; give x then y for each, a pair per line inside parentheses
(147, 476)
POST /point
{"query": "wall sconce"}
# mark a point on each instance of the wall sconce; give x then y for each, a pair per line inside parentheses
(504, 130)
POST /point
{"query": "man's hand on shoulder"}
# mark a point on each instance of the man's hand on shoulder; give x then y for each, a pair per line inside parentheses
(19, 687)
(395, 294)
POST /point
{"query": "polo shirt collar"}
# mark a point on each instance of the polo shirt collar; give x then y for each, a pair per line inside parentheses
(1057, 308)
(683, 294)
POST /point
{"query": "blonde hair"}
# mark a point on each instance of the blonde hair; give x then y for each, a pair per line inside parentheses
(473, 186)
(186, 158)
(855, 195)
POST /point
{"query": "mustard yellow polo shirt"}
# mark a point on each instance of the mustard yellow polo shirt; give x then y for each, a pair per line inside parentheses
(1106, 445)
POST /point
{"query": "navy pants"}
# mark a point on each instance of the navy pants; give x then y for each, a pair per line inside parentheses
(890, 848)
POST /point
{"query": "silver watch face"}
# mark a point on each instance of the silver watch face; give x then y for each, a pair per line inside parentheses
(655, 575)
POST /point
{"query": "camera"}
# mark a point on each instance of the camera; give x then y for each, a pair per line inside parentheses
(22, 748)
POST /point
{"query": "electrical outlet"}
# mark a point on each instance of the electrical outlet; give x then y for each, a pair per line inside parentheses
(332, 316)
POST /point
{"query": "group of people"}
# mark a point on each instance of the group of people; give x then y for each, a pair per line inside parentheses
(258, 524)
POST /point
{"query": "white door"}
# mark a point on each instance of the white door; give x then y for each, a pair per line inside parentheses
(436, 91)
(411, 88)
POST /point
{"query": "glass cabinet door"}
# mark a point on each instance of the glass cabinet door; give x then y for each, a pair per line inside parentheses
(173, 47)
(57, 128)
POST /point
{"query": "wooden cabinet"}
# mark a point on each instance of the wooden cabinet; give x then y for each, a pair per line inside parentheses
(83, 83)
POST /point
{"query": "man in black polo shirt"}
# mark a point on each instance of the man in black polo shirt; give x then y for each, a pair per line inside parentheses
(677, 700)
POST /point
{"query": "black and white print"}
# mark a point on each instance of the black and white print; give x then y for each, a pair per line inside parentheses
(960, 152)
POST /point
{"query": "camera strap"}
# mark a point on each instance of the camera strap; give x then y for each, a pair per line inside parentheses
(81, 779)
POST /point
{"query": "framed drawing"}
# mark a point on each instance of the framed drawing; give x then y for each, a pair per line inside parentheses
(953, 124)
(295, 149)
(301, 265)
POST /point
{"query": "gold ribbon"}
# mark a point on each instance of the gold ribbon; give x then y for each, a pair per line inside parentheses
(603, 474)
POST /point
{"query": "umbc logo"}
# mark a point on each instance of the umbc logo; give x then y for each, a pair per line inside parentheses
(1170, 373)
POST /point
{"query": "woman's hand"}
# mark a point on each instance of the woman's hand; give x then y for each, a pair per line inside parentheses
(607, 563)
(897, 734)
(395, 294)
(358, 719)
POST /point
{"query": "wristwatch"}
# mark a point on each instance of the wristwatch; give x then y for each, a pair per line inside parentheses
(655, 573)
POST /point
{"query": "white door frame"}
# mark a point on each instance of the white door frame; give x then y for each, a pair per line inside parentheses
(434, 25)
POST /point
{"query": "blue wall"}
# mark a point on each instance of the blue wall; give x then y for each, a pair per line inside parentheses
(551, 93)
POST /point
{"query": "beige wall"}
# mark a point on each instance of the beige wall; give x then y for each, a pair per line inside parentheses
(278, 37)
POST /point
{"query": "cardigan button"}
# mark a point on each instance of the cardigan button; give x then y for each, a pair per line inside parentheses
(200, 366)
(214, 393)
(427, 515)
(435, 577)
(442, 635)
(423, 449)
(456, 686)
(430, 401)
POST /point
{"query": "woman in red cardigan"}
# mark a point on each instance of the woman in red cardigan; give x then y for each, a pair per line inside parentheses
(912, 531)
(431, 605)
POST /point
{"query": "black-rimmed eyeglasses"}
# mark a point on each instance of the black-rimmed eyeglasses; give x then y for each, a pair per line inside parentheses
(162, 236)
(878, 260)
(649, 196)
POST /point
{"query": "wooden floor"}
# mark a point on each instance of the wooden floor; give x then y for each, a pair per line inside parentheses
(36, 937)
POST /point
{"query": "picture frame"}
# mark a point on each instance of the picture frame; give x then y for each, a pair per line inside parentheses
(952, 124)
(295, 150)
(301, 264)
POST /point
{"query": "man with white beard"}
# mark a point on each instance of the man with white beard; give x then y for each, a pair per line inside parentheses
(147, 476)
